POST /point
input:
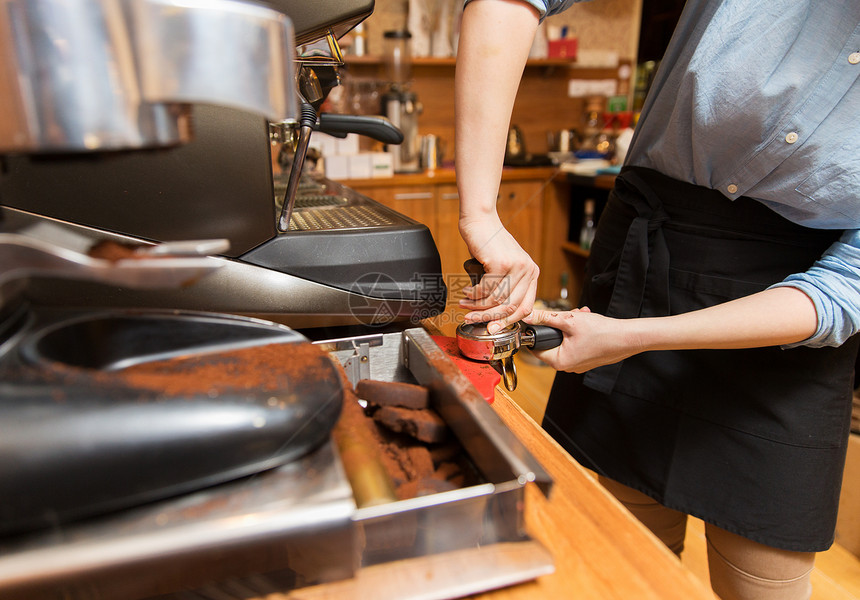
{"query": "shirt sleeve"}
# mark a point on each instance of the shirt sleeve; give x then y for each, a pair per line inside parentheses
(546, 8)
(833, 284)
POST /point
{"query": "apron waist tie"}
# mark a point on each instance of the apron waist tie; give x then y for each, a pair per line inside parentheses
(641, 286)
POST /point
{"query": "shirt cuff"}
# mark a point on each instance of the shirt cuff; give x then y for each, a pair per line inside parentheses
(542, 6)
(818, 339)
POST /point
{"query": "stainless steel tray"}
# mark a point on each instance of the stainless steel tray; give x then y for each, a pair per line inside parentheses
(475, 521)
(298, 525)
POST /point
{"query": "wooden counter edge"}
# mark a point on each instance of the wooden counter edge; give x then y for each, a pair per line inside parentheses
(447, 175)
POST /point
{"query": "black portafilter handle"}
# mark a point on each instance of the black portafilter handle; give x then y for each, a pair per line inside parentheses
(545, 337)
(377, 127)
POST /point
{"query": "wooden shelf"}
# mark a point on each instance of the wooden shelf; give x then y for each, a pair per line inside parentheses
(448, 175)
(450, 61)
(541, 63)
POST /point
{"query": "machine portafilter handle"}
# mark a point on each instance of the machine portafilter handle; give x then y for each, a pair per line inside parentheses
(373, 126)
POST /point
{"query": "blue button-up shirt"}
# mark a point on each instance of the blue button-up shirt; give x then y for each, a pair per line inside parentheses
(762, 99)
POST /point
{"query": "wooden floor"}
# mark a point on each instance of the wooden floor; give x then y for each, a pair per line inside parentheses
(837, 571)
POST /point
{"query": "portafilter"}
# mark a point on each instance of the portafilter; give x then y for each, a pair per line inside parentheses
(498, 349)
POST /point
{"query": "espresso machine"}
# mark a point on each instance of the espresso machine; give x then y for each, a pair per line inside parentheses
(167, 418)
(202, 170)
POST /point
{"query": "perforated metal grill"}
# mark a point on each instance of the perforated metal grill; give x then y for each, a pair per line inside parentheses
(319, 200)
(341, 217)
(323, 205)
(312, 201)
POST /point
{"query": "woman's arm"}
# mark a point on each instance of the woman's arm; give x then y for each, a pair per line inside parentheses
(776, 316)
(495, 38)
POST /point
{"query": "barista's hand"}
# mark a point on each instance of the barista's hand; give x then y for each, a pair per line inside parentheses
(590, 340)
(773, 317)
(506, 292)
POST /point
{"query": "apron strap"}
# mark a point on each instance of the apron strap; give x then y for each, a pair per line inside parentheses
(642, 282)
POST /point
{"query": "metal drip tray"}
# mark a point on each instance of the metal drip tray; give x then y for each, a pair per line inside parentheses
(323, 205)
(320, 200)
(345, 217)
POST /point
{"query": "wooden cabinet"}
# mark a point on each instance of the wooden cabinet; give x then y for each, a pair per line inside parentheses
(451, 246)
(436, 204)
(417, 202)
(520, 205)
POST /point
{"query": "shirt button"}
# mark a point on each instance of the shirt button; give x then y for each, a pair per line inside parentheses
(791, 137)
(854, 58)
(732, 188)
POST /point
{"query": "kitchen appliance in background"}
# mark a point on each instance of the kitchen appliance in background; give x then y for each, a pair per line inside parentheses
(432, 152)
(403, 109)
(516, 154)
(562, 143)
(515, 148)
(399, 103)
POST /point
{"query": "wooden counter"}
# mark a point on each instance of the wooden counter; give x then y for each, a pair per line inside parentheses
(447, 175)
(600, 551)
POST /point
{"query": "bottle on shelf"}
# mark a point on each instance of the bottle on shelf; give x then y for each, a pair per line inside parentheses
(359, 45)
(563, 302)
(586, 234)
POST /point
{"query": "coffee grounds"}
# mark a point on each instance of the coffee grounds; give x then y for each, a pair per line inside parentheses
(424, 487)
(264, 368)
(416, 467)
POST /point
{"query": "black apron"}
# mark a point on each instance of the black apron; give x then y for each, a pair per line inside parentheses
(753, 441)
